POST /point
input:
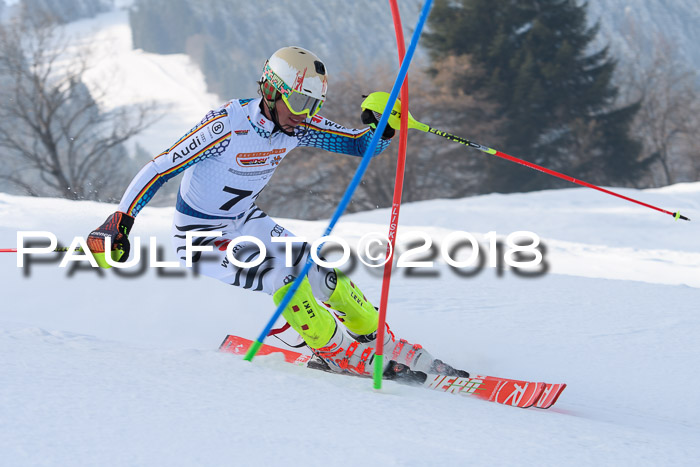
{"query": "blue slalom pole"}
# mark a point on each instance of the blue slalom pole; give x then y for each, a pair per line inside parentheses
(359, 173)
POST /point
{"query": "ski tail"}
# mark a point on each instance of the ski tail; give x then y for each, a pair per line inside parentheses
(240, 345)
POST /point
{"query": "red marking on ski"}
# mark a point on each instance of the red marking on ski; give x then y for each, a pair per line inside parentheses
(501, 390)
(550, 395)
(239, 346)
(504, 391)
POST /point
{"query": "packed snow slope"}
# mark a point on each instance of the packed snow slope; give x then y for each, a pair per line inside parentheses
(98, 369)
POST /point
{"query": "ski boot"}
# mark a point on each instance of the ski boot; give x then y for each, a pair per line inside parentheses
(442, 368)
(412, 356)
(351, 348)
(360, 317)
(393, 371)
(403, 374)
(330, 342)
(352, 308)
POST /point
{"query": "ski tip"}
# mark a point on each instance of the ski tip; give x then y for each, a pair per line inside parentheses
(550, 395)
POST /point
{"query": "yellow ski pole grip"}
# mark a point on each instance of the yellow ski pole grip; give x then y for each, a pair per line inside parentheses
(377, 101)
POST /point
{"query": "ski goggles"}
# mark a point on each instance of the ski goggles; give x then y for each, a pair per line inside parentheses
(299, 103)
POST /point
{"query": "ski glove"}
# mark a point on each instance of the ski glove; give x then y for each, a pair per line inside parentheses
(371, 118)
(116, 227)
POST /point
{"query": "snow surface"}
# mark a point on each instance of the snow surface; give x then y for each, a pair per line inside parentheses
(115, 371)
(97, 369)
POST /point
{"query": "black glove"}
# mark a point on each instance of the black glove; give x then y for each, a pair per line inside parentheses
(371, 118)
(116, 227)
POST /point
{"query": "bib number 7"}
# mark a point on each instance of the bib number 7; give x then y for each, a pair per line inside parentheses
(238, 195)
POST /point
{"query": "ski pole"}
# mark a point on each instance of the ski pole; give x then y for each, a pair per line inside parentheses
(373, 102)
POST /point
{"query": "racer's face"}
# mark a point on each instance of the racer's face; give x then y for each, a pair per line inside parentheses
(288, 121)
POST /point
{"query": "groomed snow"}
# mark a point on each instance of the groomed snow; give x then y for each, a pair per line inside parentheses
(97, 369)
(125, 371)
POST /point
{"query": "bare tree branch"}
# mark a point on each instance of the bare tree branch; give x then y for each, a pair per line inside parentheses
(53, 121)
(667, 122)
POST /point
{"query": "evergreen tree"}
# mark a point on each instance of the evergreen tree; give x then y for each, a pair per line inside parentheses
(555, 96)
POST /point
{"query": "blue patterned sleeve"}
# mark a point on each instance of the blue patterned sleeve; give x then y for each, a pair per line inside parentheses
(326, 134)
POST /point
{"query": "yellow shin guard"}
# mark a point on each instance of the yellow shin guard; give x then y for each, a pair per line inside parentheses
(355, 311)
(314, 323)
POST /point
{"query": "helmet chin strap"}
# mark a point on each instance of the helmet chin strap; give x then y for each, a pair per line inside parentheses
(272, 109)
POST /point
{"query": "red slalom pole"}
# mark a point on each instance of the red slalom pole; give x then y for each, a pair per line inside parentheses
(55, 250)
(395, 205)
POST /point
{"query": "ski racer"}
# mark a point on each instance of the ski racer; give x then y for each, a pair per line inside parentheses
(227, 159)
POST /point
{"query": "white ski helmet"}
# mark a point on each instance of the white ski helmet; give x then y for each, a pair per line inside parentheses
(298, 77)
